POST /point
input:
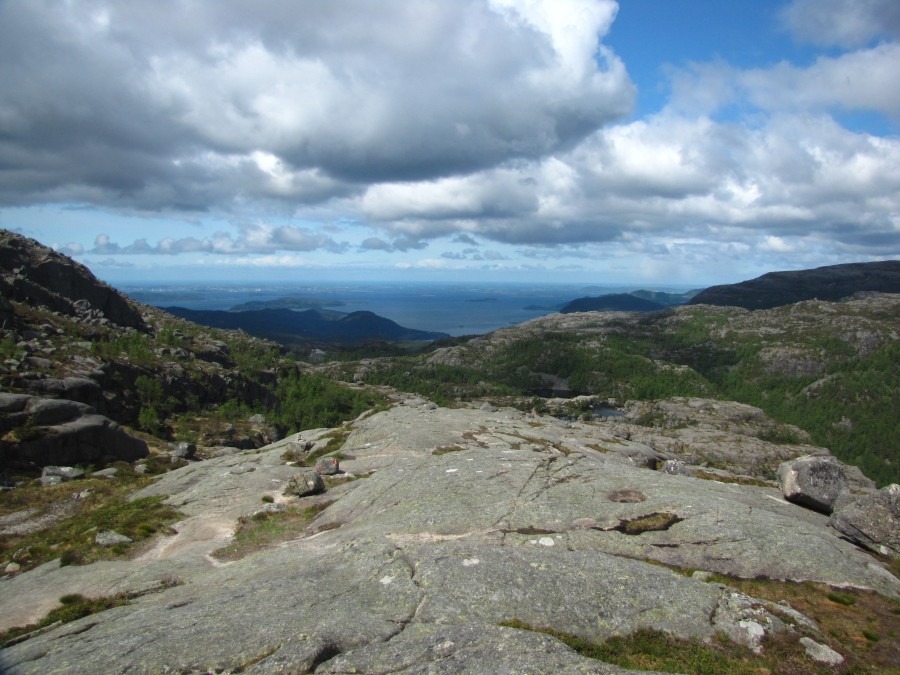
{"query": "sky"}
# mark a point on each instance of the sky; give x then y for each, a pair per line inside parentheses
(647, 141)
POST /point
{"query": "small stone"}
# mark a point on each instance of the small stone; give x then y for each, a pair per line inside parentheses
(12, 568)
(269, 508)
(702, 575)
(107, 538)
(109, 472)
(675, 467)
(47, 481)
(821, 653)
(140, 469)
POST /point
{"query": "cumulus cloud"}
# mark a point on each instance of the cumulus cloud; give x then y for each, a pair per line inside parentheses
(475, 121)
(176, 105)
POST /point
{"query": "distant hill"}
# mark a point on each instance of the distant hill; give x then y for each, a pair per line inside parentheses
(833, 282)
(312, 324)
(663, 298)
(287, 302)
(617, 302)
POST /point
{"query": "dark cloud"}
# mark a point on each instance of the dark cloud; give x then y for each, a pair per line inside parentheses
(257, 238)
(170, 105)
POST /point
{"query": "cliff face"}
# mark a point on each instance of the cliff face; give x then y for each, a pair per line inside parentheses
(67, 337)
(833, 282)
(39, 275)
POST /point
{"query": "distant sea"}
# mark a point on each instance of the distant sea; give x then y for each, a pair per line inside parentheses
(456, 309)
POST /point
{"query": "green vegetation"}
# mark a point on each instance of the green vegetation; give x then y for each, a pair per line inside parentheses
(650, 649)
(799, 369)
(267, 528)
(309, 401)
(844, 616)
(73, 607)
(85, 507)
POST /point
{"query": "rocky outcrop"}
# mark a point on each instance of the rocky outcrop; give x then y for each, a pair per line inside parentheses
(33, 273)
(413, 568)
(872, 521)
(833, 282)
(813, 481)
(37, 431)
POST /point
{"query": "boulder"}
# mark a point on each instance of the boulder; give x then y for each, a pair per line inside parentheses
(813, 481)
(184, 450)
(327, 466)
(65, 473)
(872, 521)
(305, 483)
(821, 653)
(88, 439)
(675, 467)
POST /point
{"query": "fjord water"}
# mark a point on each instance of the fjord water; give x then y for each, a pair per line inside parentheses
(456, 309)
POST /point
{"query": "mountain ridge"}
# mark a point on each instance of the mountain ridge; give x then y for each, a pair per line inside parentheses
(831, 282)
(312, 324)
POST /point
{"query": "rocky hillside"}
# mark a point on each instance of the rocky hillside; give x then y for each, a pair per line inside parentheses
(579, 494)
(78, 359)
(309, 326)
(478, 539)
(834, 282)
(826, 367)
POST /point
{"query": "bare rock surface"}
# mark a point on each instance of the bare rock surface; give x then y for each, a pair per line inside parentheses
(872, 521)
(472, 517)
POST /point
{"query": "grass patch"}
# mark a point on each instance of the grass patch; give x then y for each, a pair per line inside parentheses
(736, 480)
(265, 529)
(844, 616)
(841, 598)
(650, 649)
(336, 440)
(73, 607)
(85, 507)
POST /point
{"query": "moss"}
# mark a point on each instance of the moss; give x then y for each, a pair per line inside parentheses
(652, 522)
(444, 450)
